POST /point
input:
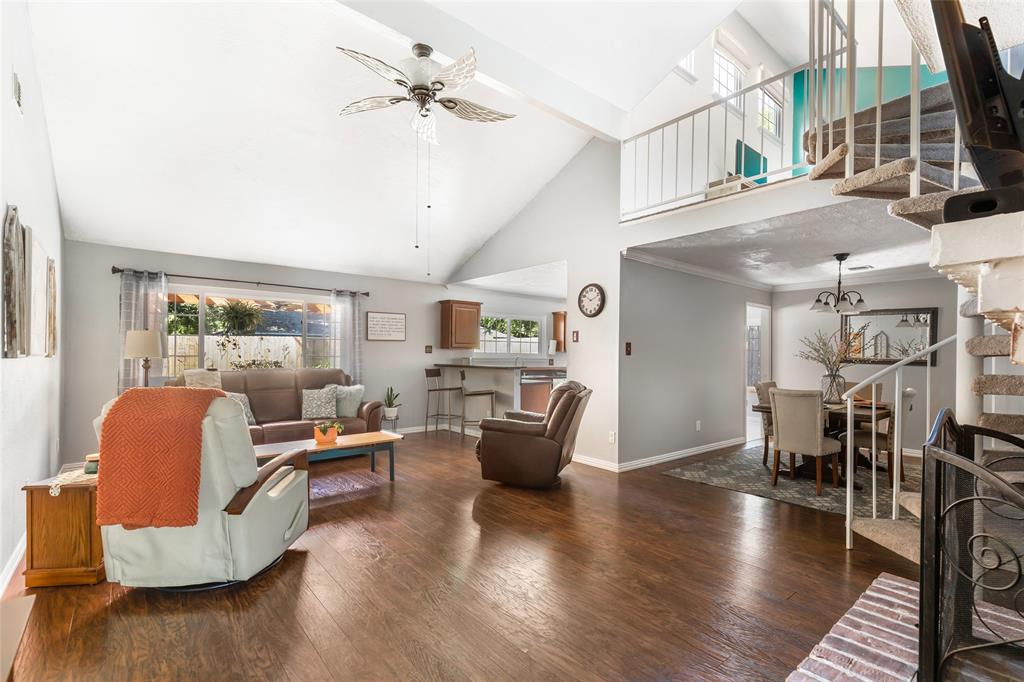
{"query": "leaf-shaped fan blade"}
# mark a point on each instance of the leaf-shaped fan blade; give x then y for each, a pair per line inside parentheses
(371, 103)
(457, 74)
(425, 126)
(378, 67)
(471, 111)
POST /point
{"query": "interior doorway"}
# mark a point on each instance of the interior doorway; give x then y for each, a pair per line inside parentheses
(757, 359)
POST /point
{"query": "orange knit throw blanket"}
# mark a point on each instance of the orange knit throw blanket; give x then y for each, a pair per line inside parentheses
(150, 448)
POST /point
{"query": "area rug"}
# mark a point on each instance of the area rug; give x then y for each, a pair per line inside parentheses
(742, 471)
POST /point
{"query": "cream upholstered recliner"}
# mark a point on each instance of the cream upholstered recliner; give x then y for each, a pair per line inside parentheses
(248, 516)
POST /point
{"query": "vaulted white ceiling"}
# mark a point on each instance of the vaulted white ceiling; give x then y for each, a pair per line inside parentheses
(212, 129)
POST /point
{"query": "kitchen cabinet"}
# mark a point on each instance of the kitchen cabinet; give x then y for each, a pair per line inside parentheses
(558, 330)
(460, 324)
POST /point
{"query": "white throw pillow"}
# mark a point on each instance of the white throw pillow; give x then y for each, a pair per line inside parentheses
(349, 399)
(320, 403)
(202, 378)
(243, 400)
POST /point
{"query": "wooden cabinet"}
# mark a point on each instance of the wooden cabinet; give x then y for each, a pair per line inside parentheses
(460, 324)
(64, 545)
(558, 330)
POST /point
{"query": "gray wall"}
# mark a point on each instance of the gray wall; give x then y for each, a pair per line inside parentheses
(687, 362)
(29, 387)
(792, 319)
(91, 326)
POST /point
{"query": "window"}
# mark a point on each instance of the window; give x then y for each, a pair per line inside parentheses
(726, 78)
(232, 330)
(769, 112)
(686, 69)
(515, 335)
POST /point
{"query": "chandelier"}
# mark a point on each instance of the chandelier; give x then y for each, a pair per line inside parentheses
(840, 301)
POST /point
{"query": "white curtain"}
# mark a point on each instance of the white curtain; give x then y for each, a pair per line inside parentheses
(347, 332)
(143, 306)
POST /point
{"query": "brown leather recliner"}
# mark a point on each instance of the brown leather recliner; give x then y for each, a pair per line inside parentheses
(530, 449)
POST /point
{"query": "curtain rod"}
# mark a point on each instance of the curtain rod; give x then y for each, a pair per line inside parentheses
(114, 270)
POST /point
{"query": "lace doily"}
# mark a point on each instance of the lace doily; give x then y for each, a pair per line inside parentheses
(67, 477)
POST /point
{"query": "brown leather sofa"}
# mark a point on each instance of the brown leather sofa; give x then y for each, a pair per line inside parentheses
(275, 396)
(529, 449)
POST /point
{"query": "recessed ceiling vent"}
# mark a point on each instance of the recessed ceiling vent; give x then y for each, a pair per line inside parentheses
(16, 90)
(859, 268)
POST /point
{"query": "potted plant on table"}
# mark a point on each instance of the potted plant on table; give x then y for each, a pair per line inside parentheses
(391, 403)
(833, 352)
(327, 432)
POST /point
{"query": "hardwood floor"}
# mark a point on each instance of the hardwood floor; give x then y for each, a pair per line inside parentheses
(441, 575)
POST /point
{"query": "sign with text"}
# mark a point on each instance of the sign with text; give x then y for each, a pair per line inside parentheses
(385, 326)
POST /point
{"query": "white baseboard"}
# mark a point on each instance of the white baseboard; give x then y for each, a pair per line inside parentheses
(655, 459)
(12, 563)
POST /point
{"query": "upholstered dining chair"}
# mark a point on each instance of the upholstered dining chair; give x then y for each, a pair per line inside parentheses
(885, 438)
(798, 418)
(766, 418)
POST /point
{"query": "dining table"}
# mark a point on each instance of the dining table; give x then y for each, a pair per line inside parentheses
(836, 416)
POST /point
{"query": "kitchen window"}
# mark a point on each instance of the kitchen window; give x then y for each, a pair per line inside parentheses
(509, 335)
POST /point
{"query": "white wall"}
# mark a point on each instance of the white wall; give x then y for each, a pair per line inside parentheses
(29, 387)
(688, 338)
(576, 218)
(91, 327)
(792, 320)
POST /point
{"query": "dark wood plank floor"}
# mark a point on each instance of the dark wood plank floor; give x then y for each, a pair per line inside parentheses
(443, 576)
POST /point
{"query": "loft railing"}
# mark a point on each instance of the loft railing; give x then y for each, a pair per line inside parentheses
(895, 423)
(743, 141)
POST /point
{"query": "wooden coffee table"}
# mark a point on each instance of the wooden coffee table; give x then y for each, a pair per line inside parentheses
(353, 444)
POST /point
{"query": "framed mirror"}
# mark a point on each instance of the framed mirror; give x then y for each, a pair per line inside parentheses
(884, 337)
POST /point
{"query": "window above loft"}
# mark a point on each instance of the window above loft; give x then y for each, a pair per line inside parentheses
(509, 335)
(769, 112)
(726, 77)
(686, 69)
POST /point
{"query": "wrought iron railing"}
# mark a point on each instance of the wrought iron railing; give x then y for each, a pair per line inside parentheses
(972, 555)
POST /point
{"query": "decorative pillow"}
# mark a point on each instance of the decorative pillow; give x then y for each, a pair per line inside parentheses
(243, 400)
(202, 378)
(320, 403)
(349, 398)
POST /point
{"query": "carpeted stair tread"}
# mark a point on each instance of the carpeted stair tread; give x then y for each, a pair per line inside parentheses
(1001, 421)
(999, 384)
(995, 454)
(911, 501)
(902, 537)
(926, 210)
(992, 346)
(892, 181)
(939, 153)
(935, 127)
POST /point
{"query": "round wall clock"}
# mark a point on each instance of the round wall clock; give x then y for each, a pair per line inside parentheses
(591, 300)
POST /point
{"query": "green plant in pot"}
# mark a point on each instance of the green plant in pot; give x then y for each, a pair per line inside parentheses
(391, 403)
(327, 432)
(833, 352)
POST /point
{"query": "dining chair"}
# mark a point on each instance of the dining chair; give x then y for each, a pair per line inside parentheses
(885, 439)
(433, 377)
(798, 419)
(763, 398)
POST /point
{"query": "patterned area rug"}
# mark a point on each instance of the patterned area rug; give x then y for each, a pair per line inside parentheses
(742, 471)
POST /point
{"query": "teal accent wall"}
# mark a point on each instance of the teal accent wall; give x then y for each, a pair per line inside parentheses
(753, 163)
(895, 84)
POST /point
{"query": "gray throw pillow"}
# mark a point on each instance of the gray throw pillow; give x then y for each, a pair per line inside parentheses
(320, 403)
(243, 400)
(349, 399)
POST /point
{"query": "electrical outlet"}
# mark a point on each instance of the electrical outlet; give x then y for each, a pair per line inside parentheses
(575, 336)
(698, 425)
(611, 437)
(428, 349)
(629, 348)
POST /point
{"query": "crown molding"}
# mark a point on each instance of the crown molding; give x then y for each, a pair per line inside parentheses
(679, 266)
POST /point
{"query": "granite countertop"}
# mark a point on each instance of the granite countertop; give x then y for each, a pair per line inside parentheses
(532, 368)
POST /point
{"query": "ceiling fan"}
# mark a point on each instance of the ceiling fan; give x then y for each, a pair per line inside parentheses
(424, 85)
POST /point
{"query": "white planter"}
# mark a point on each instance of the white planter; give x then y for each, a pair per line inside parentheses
(390, 412)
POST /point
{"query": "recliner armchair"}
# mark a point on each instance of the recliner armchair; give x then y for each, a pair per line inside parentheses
(248, 516)
(529, 449)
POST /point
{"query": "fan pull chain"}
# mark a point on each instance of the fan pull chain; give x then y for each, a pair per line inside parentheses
(428, 209)
(417, 202)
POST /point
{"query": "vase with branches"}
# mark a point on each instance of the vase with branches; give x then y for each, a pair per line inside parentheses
(833, 352)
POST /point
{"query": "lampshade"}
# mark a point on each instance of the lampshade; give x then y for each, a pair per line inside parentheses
(552, 347)
(844, 307)
(820, 307)
(904, 322)
(860, 306)
(142, 343)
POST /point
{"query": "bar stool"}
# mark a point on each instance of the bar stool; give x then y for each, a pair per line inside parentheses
(473, 394)
(434, 387)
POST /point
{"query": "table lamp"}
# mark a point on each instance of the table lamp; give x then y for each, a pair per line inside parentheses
(143, 344)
